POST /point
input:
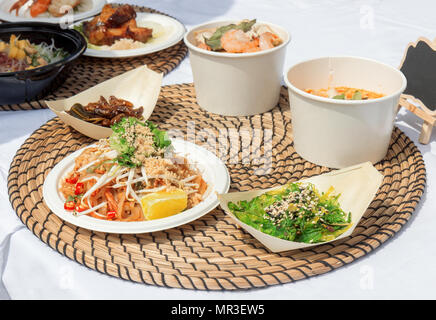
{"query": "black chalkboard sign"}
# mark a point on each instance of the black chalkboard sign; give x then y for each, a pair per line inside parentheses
(419, 67)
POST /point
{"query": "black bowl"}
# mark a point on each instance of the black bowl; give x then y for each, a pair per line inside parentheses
(34, 84)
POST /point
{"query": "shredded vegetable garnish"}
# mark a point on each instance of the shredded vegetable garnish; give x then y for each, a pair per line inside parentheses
(295, 212)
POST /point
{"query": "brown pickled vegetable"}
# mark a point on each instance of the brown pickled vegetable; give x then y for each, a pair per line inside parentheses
(106, 112)
(115, 23)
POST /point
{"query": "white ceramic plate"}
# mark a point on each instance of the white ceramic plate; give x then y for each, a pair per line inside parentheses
(167, 32)
(86, 9)
(213, 170)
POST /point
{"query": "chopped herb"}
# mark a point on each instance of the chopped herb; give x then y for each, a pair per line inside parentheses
(339, 96)
(135, 140)
(79, 27)
(357, 95)
(74, 198)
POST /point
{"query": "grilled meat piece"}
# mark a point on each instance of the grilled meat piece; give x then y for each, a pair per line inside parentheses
(114, 24)
(139, 34)
(120, 16)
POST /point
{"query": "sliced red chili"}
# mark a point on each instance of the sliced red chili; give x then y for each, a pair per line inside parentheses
(80, 208)
(69, 205)
(72, 179)
(79, 188)
(111, 215)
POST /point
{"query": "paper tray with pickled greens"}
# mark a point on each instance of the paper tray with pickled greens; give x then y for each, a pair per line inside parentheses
(307, 212)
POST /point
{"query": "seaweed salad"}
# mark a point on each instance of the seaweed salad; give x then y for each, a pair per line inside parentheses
(295, 212)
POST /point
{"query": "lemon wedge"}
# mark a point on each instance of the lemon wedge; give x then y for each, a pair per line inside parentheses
(163, 204)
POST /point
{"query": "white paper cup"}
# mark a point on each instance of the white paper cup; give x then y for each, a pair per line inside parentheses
(340, 133)
(237, 84)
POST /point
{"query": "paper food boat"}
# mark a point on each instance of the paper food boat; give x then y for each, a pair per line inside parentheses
(140, 86)
(357, 185)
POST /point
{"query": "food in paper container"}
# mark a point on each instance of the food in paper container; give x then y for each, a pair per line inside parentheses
(243, 37)
(106, 112)
(337, 133)
(340, 198)
(238, 74)
(139, 87)
(295, 212)
(345, 93)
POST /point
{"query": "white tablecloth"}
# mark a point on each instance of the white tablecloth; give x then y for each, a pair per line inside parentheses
(403, 267)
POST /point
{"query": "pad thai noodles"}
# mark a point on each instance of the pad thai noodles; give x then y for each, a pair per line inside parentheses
(134, 175)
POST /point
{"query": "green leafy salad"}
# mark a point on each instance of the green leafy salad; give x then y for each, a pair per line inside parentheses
(295, 212)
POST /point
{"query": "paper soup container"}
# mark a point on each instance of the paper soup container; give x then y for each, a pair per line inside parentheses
(340, 133)
(237, 84)
(140, 86)
(357, 186)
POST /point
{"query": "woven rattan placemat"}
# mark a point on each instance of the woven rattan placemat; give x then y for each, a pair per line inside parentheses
(212, 252)
(89, 71)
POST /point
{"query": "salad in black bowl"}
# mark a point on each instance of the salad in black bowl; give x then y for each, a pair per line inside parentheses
(35, 58)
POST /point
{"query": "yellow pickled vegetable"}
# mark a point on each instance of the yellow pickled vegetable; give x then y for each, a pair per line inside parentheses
(21, 44)
(13, 51)
(20, 54)
(12, 40)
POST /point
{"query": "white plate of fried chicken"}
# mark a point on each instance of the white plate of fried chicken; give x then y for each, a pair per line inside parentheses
(120, 32)
(63, 12)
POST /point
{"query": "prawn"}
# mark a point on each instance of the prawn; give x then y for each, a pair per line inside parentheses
(38, 7)
(17, 5)
(268, 40)
(204, 46)
(236, 41)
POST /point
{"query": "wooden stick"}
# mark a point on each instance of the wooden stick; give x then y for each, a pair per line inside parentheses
(425, 135)
(429, 120)
(417, 111)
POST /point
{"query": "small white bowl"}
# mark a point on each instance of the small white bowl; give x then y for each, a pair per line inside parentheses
(340, 133)
(237, 84)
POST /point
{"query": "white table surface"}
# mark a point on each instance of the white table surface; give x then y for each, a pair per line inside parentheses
(401, 268)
